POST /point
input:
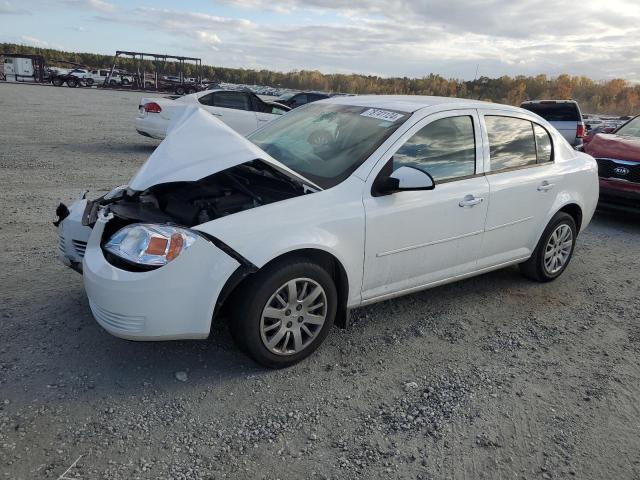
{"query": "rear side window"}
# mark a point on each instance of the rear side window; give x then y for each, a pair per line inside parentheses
(543, 144)
(235, 100)
(555, 112)
(445, 148)
(511, 142)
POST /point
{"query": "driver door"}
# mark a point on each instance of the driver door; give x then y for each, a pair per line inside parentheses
(417, 238)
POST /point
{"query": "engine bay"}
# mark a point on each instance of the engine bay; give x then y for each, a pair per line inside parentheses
(191, 203)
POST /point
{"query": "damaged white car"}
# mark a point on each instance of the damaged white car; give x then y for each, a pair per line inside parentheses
(337, 204)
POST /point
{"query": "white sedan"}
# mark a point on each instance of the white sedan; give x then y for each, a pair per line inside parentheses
(340, 203)
(242, 111)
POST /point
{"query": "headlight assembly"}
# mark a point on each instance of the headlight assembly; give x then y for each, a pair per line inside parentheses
(152, 245)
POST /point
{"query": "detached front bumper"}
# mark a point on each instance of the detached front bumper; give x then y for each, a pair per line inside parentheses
(175, 301)
(73, 236)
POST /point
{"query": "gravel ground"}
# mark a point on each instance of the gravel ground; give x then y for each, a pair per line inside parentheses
(493, 377)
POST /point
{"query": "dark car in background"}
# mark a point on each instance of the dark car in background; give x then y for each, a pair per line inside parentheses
(564, 115)
(297, 99)
(618, 157)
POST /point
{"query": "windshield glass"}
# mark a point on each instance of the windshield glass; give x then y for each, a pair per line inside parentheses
(325, 142)
(630, 129)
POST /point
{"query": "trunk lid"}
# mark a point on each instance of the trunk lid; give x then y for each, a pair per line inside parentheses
(198, 145)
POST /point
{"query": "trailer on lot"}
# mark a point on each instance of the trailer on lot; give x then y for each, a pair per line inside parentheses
(155, 79)
(24, 68)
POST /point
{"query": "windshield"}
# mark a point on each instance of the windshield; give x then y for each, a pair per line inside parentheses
(325, 142)
(630, 129)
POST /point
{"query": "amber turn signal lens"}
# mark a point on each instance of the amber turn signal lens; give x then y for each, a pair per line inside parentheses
(157, 246)
(175, 247)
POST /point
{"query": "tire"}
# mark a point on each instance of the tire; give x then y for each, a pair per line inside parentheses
(180, 90)
(191, 90)
(537, 268)
(57, 82)
(113, 83)
(89, 82)
(125, 82)
(72, 82)
(296, 332)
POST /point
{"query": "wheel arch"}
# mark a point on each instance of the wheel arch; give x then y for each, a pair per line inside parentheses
(319, 256)
(575, 211)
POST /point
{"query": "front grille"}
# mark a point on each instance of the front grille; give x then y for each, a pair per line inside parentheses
(607, 169)
(117, 321)
(79, 247)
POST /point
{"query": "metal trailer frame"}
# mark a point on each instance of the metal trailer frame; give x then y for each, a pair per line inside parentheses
(38, 66)
(140, 75)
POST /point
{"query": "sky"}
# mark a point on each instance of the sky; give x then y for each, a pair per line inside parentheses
(453, 38)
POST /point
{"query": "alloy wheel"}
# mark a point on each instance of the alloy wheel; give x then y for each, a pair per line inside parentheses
(558, 249)
(293, 316)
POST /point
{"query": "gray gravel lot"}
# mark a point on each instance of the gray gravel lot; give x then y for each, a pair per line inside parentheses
(494, 377)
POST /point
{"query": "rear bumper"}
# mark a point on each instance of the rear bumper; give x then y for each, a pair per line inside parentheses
(152, 125)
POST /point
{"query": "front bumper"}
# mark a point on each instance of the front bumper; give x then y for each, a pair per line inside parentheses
(173, 302)
(73, 236)
(619, 194)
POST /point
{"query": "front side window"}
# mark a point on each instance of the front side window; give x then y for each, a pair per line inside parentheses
(327, 142)
(206, 100)
(511, 142)
(445, 148)
(235, 100)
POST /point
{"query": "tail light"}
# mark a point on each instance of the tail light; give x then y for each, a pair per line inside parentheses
(152, 107)
(580, 130)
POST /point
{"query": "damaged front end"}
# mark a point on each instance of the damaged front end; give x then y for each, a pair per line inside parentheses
(202, 171)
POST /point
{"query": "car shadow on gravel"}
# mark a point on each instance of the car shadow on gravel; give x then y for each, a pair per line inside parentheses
(145, 147)
(627, 222)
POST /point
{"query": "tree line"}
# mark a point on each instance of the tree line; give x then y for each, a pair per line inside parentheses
(616, 96)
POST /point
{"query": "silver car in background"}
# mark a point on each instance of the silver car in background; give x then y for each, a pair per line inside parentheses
(564, 115)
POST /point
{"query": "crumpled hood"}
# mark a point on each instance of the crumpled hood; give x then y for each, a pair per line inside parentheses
(198, 145)
(613, 146)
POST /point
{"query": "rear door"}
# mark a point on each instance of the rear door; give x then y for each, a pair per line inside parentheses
(233, 108)
(523, 181)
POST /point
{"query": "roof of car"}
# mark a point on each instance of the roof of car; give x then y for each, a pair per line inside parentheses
(411, 103)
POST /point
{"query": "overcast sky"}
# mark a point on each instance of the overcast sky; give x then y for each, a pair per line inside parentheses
(597, 38)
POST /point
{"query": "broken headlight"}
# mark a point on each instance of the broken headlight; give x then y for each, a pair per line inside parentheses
(153, 245)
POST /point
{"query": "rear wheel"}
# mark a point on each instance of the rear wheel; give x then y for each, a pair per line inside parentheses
(284, 313)
(57, 82)
(554, 250)
(89, 82)
(72, 82)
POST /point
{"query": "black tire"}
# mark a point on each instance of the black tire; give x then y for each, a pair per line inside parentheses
(125, 82)
(248, 303)
(535, 268)
(180, 90)
(191, 90)
(72, 82)
(89, 82)
(113, 83)
(57, 82)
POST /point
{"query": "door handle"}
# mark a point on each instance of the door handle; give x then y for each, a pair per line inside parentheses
(470, 201)
(545, 186)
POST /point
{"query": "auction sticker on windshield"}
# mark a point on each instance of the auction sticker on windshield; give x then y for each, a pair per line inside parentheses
(382, 114)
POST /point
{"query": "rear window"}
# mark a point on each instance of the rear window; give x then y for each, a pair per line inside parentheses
(555, 112)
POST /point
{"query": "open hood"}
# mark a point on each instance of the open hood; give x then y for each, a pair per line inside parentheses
(198, 145)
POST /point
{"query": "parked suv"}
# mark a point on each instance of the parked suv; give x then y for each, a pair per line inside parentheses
(564, 115)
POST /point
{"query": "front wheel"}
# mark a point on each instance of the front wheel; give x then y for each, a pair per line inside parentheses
(284, 312)
(72, 82)
(554, 250)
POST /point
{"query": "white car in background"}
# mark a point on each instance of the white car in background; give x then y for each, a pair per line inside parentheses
(340, 203)
(242, 111)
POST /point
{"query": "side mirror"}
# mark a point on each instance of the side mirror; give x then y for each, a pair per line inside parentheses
(403, 179)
